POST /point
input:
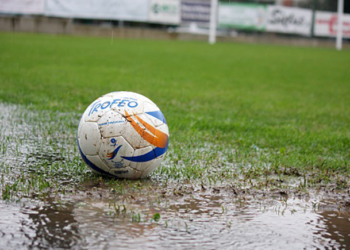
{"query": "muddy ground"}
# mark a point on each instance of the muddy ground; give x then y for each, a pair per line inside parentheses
(50, 199)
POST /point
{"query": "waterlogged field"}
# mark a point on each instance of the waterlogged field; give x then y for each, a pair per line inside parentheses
(258, 156)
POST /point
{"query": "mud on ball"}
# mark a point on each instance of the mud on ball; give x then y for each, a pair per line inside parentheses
(123, 134)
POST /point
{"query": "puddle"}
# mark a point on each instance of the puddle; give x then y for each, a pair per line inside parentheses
(203, 221)
(44, 226)
(50, 199)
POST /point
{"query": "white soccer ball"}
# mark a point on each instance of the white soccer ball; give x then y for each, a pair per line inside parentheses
(123, 134)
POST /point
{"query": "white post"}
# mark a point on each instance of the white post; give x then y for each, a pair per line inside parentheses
(213, 19)
(340, 25)
(279, 2)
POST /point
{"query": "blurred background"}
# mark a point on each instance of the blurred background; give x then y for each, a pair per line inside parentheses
(293, 22)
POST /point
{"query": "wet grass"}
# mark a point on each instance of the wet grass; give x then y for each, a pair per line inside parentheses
(263, 117)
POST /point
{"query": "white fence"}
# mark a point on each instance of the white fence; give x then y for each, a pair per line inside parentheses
(176, 12)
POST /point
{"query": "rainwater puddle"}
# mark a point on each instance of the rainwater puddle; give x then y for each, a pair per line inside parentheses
(50, 200)
(204, 221)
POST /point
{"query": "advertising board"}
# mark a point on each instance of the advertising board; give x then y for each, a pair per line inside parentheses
(33, 7)
(195, 11)
(135, 10)
(326, 24)
(242, 16)
(289, 20)
(164, 11)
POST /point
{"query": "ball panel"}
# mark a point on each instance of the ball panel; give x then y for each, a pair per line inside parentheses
(133, 110)
(89, 138)
(145, 158)
(134, 138)
(112, 151)
(144, 118)
(96, 161)
(154, 114)
(111, 124)
(124, 101)
(97, 109)
(164, 128)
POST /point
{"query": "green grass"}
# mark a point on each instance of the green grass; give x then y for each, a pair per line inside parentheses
(279, 110)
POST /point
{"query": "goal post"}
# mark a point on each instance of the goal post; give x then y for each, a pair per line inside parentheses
(339, 39)
(213, 20)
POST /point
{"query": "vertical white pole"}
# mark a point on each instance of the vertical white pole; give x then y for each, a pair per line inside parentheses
(340, 25)
(213, 18)
(279, 2)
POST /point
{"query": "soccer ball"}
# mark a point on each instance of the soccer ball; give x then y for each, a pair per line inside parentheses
(123, 134)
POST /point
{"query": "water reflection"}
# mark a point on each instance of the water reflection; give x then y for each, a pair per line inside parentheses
(53, 226)
(38, 226)
(338, 227)
(202, 221)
